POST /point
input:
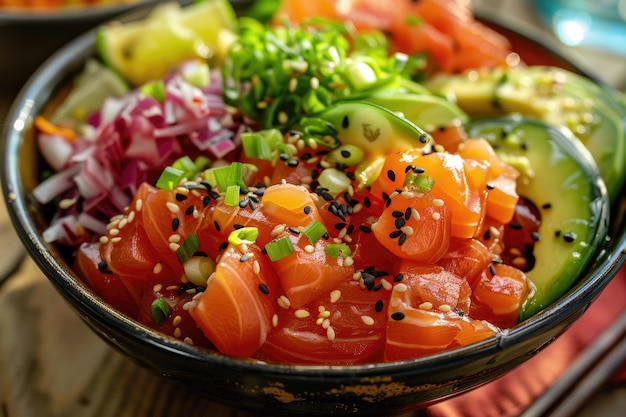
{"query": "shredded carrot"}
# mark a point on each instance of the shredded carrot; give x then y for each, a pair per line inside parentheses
(45, 126)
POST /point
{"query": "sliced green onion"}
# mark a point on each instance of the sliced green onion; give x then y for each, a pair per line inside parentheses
(335, 250)
(154, 89)
(255, 146)
(334, 180)
(159, 310)
(225, 176)
(279, 248)
(188, 248)
(185, 164)
(314, 230)
(232, 195)
(198, 269)
(419, 182)
(170, 178)
(347, 155)
(243, 235)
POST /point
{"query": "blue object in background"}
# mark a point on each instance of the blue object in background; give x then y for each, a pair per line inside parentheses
(597, 24)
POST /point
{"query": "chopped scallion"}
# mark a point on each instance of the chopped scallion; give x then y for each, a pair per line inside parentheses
(243, 235)
(335, 250)
(159, 310)
(154, 89)
(314, 230)
(232, 195)
(170, 178)
(225, 176)
(188, 248)
(279, 248)
(419, 182)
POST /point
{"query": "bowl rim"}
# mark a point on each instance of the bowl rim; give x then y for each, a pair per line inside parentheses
(19, 119)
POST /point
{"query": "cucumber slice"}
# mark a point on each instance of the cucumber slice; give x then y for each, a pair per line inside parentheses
(563, 181)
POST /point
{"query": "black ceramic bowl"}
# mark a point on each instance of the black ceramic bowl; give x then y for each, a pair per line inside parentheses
(374, 389)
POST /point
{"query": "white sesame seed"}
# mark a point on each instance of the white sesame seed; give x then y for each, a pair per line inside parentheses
(335, 295)
(386, 284)
(324, 314)
(445, 308)
(172, 207)
(174, 238)
(436, 216)
(123, 223)
(138, 204)
(283, 302)
(367, 320)
(116, 239)
(309, 249)
(275, 320)
(177, 320)
(437, 202)
(319, 321)
(188, 340)
(66, 203)
(174, 246)
(131, 217)
(157, 268)
(407, 230)
(415, 214)
(177, 333)
(426, 306)
(325, 323)
(494, 231)
(256, 268)
(401, 287)
(114, 232)
(356, 276)
(157, 287)
(408, 195)
(277, 230)
(301, 313)
(321, 309)
(349, 261)
(104, 240)
(330, 333)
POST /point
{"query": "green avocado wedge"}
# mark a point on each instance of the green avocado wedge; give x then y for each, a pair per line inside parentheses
(595, 114)
(560, 177)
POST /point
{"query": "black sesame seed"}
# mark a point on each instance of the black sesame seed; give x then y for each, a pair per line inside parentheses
(569, 237)
(175, 224)
(391, 174)
(398, 315)
(515, 226)
(398, 278)
(399, 223)
(424, 138)
(217, 225)
(407, 213)
(306, 156)
(292, 163)
(238, 226)
(557, 233)
(379, 306)
(365, 229)
(490, 186)
(546, 205)
(395, 234)
(284, 156)
(535, 236)
(243, 202)
(190, 210)
(206, 201)
(180, 197)
(103, 267)
(307, 209)
(397, 214)
(367, 202)
(492, 270)
(294, 230)
(487, 234)
(223, 246)
(345, 122)
(264, 288)
(339, 226)
(402, 239)
(345, 153)
(418, 170)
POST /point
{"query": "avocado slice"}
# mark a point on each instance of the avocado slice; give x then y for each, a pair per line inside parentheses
(595, 114)
(560, 177)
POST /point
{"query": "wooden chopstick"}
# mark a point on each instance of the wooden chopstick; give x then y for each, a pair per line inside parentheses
(596, 364)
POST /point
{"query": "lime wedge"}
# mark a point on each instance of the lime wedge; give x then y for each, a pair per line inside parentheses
(91, 88)
(146, 50)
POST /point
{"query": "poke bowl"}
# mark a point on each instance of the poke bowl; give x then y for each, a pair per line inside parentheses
(383, 384)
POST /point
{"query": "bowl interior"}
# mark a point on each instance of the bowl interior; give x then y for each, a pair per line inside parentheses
(237, 381)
